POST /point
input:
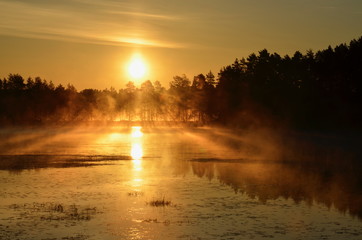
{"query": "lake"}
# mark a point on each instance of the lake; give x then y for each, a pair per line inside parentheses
(175, 183)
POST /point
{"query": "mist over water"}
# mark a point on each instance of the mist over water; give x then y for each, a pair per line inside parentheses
(177, 183)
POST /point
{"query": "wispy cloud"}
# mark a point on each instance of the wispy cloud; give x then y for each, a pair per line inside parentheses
(145, 15)
(98, 22)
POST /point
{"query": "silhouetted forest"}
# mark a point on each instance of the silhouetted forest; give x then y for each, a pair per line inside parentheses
(319, 90)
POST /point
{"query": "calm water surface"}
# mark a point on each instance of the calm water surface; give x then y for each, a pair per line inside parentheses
(103, 183)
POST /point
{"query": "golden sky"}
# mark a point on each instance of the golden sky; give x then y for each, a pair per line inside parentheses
(89, 42)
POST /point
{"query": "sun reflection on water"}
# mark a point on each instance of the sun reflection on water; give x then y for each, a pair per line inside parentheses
(136, 132)
(136, 151)
(137, 154)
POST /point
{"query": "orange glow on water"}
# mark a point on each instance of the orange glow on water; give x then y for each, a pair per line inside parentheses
(136, 151)
(137, 154)
(136, 132)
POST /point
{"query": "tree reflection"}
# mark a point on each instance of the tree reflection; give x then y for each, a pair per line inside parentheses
(333, 186)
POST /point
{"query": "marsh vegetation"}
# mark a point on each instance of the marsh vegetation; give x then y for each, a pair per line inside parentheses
(159, 202)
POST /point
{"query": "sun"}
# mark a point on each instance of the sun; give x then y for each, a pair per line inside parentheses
(137, 67)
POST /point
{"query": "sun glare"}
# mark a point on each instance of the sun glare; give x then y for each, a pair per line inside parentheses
(136, 132)
(137, 67)
(136, 151)
(136, 135)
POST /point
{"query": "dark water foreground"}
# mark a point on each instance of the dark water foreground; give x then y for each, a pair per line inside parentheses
(169, 183)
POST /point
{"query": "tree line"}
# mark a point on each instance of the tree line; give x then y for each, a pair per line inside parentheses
(311, 90)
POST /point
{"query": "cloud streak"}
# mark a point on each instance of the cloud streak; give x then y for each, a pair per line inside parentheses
(97, 22)
(144, 15)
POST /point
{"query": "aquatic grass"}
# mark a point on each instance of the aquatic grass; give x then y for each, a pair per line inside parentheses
(150, 220)
(135, 194)
(51, 211)
(159, 203)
